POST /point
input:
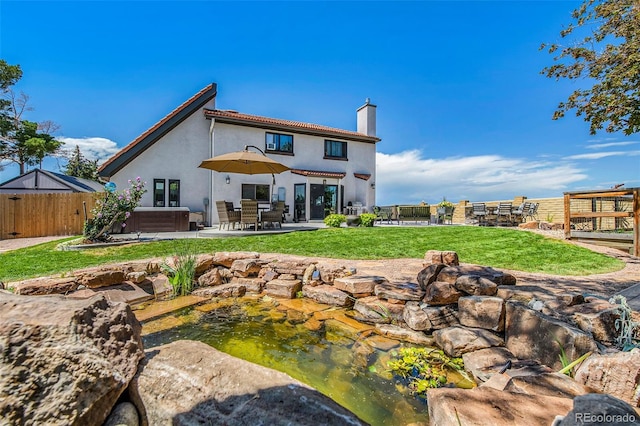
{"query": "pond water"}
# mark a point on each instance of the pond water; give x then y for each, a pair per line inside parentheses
(315, 344)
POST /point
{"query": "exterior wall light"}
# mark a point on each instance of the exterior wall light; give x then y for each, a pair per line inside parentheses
(228, 180)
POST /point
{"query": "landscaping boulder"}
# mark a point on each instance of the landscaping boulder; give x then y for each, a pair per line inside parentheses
(482, 312)
(328, 295)
(441, 293)
(188, 383)
(123, 414)
(41, 286)
(476, 285)
(253, 285)
(421, 317)
(210, 278)
(534, 335)
(358, 285)
(226, 258)
(401, 333)
(64, 361)
(399, 291)
(246, 267)
(487, 406)
(457, 340)
(101, 277)
(283, 288)
(429, 274)
(451, 273)
(603, 410)
(222, 290)
(373, 310)
(617, 374)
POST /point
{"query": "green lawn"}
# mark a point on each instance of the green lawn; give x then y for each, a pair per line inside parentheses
(500, 248)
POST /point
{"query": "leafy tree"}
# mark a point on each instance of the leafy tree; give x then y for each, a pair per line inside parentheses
(21, 141)
(609, 55)
(81, 167)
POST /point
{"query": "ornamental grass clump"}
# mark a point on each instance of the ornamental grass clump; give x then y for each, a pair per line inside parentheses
(181, 272)
(116, 206)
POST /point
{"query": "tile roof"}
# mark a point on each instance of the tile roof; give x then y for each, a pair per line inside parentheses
(363, 176)
(146, 139)
(318, 173)
(234, 117)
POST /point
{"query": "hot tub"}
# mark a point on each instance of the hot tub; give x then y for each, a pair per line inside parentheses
(158, 219)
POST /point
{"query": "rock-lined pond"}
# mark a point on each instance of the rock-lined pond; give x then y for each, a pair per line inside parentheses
(316, 344)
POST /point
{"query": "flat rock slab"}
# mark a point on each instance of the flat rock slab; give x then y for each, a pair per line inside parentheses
(399, 291)
(129, 293)
(457, 340)
(187, 383)
(327, 294)
(486, 406)
(358, 284)
(283, 288)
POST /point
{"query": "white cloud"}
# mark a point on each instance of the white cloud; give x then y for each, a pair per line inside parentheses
(93, 148)
(610, 144)
(407, 177)
(599, 155)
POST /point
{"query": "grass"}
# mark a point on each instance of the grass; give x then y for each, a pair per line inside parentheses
(499, 248)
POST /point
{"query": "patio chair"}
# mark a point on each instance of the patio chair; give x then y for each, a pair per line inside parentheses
(504, 213)
(480, 213)
(226, 217)
(518, 215)
(533, 211)
(273, 216)
(249, 213)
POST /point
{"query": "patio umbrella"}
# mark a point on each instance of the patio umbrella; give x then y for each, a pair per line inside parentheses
(244, 162)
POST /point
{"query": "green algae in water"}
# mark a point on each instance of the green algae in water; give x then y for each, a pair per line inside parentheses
(336, 361)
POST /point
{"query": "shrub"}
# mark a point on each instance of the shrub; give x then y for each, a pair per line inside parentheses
(335, 220)
(116, 206)
(367, 219)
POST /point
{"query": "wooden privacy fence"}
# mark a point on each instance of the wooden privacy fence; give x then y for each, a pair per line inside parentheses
(610, 215)
(42, 215)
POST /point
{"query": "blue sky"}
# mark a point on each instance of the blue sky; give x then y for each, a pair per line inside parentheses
(463, 111)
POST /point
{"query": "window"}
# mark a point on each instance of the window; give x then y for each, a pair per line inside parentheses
(158, 192)
(174, 193)
(256, 192)
(335, 149)
(276, 142)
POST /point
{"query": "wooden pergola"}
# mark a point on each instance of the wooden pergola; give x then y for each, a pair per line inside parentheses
(630, 195)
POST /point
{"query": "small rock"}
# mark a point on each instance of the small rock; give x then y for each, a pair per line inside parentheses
(123, 414)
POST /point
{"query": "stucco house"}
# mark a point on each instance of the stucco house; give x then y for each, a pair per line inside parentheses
(330, 168)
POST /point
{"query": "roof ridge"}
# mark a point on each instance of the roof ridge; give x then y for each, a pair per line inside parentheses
(284, 122)
(157, 125)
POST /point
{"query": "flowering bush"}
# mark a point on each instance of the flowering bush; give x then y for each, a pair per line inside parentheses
(445, 203)
(116, 206)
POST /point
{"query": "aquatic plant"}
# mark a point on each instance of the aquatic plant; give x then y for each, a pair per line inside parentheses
(425, 368)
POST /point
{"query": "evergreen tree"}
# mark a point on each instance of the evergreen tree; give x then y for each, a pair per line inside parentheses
(81, 167)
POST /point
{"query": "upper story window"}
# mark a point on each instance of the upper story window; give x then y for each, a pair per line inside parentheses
(277, 142)
(335, 149)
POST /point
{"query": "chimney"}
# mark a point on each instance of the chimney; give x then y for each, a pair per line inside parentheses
(367, 118)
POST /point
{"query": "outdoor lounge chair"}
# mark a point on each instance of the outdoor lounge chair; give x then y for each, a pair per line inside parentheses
(480, 213)
(504, 213)
(273, 216)
(249, 213)
(227, 217)
(518, 215)
(533, 211)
